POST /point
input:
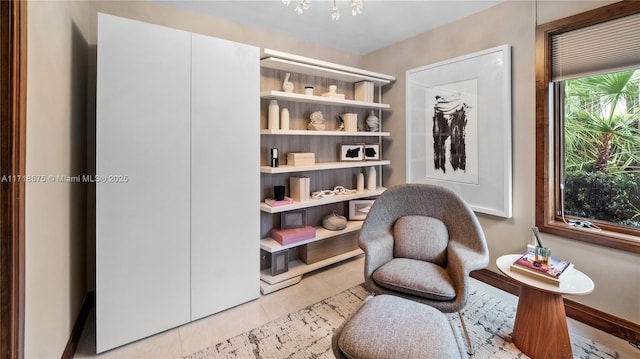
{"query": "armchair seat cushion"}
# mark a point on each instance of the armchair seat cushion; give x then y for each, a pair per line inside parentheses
(415, 277)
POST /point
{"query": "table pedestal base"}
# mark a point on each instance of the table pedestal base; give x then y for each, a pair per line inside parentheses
(540, 329)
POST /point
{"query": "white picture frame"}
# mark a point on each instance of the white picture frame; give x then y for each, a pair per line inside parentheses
(372, 152)
(359, 208)
(352, 152)
(469, 96)
(293, 219)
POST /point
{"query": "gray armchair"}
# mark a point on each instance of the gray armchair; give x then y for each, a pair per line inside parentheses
(421, 242)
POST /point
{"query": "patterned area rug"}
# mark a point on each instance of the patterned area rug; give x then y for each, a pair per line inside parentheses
(307, 333)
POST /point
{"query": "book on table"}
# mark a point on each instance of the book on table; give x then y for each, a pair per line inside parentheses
(551, 273)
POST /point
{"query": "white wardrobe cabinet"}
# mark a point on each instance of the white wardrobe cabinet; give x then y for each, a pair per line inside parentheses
(177, 155)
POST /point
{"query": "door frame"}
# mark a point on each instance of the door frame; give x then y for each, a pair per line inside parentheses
(13, 82)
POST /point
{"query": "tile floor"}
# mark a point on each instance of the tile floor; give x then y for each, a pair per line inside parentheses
(189, 338)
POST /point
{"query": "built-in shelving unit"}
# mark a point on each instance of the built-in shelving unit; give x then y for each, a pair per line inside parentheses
(328, 171)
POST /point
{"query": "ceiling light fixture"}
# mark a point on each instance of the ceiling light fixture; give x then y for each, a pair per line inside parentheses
(356, 7)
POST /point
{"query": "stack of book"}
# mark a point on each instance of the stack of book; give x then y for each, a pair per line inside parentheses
(300, 188)
(551, 273)
(350, 121)
(363, 91)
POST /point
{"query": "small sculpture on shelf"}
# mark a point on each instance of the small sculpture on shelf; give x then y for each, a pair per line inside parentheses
(373, 123)
(287, 86)
(334, 222)
(308, 90)
(316, 121)
(333, 94)
(341, 127)
(337, 190)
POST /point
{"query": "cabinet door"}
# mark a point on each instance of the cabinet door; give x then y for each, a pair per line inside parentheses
(142, 226)
(225, 178)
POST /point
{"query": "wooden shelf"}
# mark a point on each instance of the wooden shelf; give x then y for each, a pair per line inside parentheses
(298, 97)
(322, 166)
(297, 268)
(270, 245)
(324, 133)
(294, 63)
(322, 72)
(322, 201)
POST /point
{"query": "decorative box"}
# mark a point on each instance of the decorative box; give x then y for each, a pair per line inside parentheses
(301, 159)
(288, 236)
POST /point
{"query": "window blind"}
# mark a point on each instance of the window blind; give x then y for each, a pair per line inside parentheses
(602, 48)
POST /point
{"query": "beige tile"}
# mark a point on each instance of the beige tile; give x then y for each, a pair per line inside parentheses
(344, 276)
(237, 320)
(195, 336)
(164, 345)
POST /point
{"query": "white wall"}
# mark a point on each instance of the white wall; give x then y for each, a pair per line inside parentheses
(55, 210)
(616, 274)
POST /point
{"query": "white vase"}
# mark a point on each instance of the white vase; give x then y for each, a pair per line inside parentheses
(360, 183)
(371, 179)
(284, 119)
(274, 115)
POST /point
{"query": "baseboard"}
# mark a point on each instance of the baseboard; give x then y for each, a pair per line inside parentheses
(74, 339)
(608, 323)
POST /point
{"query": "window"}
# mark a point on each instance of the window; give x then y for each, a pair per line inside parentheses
(600, 173)
(588, 126)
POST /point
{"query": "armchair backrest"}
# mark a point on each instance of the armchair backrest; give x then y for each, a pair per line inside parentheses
(424, 200)
(422, 238)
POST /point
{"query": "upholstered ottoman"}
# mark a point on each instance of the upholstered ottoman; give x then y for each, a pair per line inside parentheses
(392, 327)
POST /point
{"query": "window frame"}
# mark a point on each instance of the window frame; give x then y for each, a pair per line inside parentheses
(547, 157)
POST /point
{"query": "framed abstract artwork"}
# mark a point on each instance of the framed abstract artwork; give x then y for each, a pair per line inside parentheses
(458, 122)
(293, 219)
(372, 152)
(359, 208)
(353, 152)
(279, 262)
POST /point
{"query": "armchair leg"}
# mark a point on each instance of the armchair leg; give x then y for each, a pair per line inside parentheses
(470, 350)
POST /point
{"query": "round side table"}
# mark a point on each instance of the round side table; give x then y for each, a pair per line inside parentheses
(540, 328)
